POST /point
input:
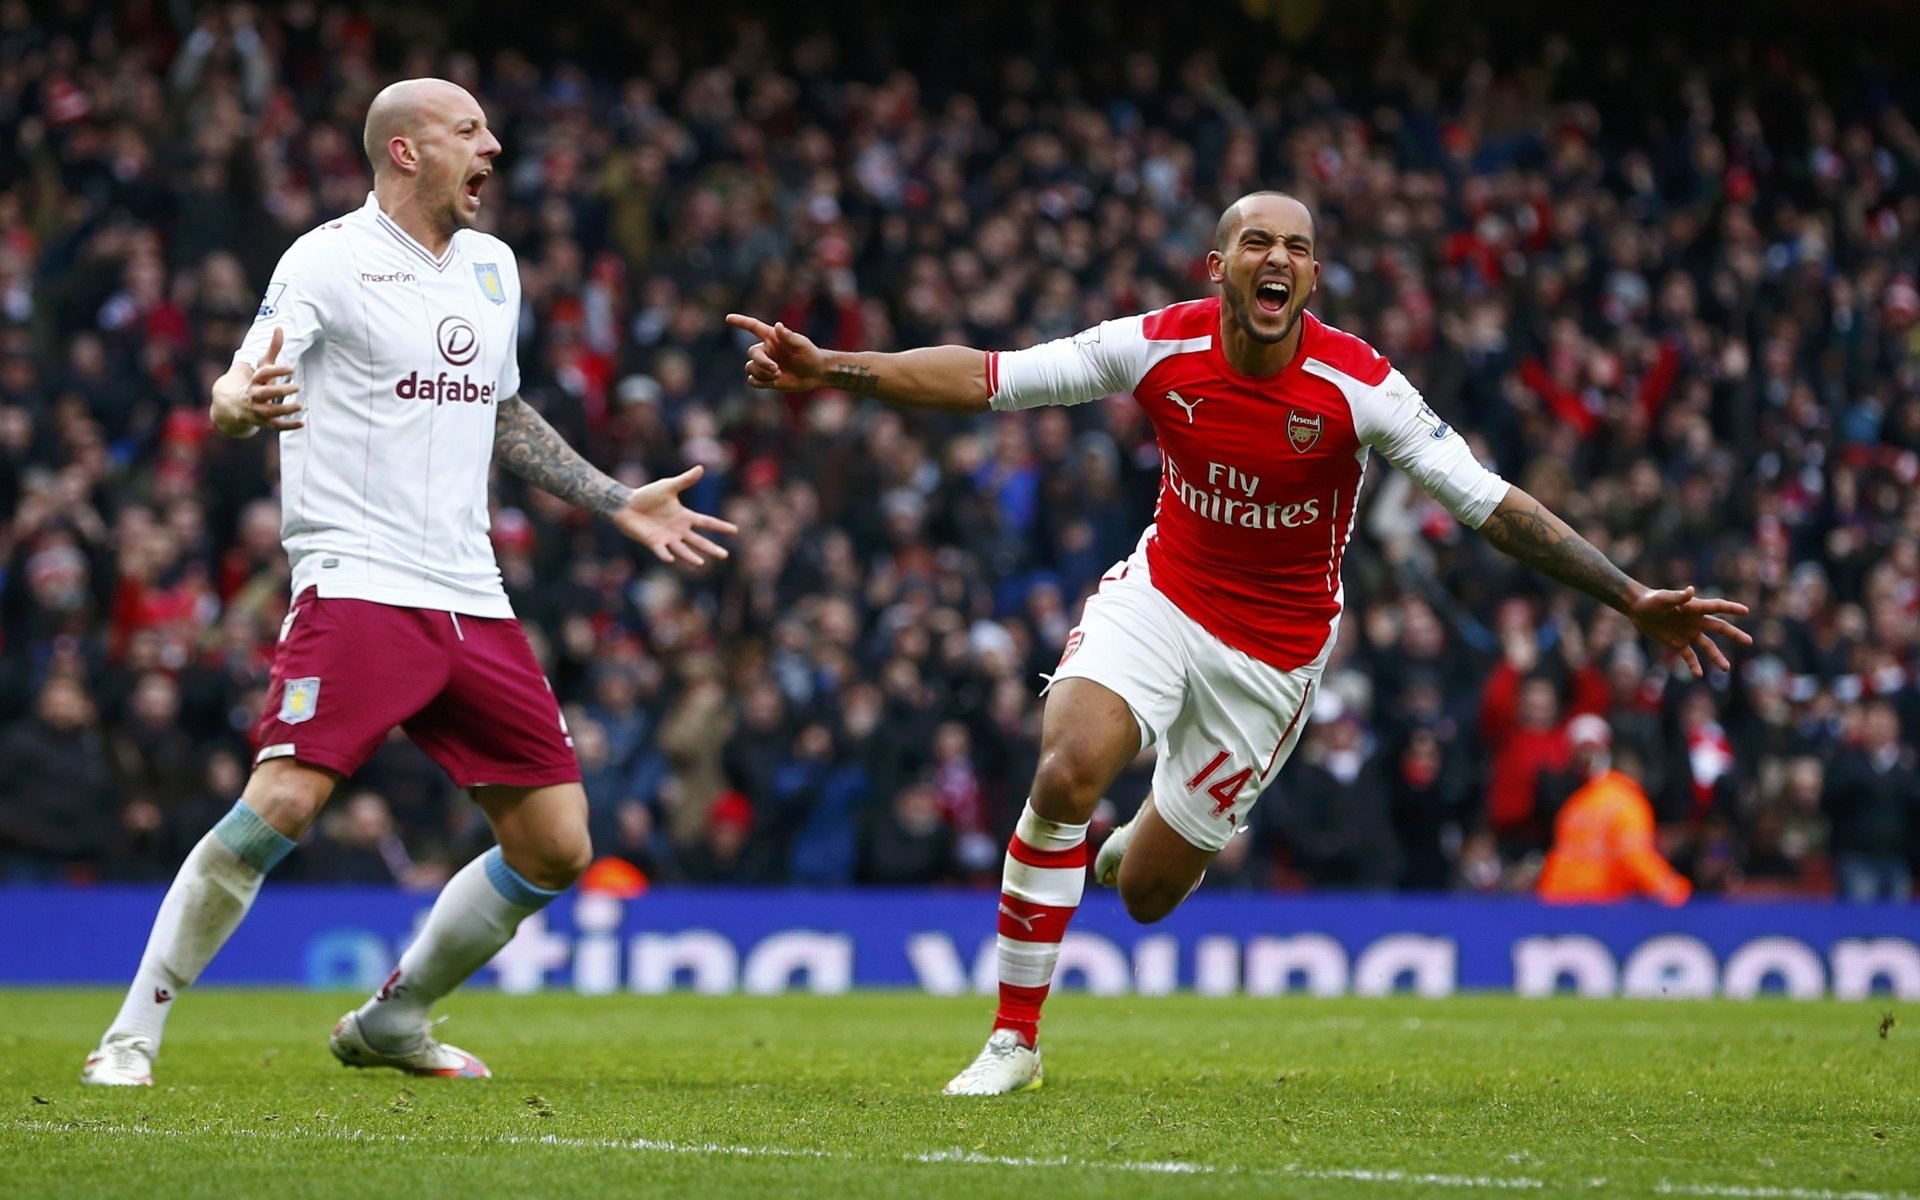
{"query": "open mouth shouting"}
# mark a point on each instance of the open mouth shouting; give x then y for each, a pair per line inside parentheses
(1271, 296)
(474, 183)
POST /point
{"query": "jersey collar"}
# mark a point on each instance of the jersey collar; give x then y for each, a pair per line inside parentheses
(406, 239)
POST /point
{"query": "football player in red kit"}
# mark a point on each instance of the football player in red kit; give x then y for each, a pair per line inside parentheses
(1208, 642)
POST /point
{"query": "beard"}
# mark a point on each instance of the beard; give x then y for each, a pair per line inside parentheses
(450, 207)
(1242, 313)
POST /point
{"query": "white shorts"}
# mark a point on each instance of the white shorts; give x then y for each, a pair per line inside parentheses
(1224, 721)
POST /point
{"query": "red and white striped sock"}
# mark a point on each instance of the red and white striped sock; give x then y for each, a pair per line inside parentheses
(1040, 886)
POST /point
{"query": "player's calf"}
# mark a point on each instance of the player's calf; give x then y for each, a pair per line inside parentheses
(1088, 736)
(214, 889)
(475, 916)
(1158, 868)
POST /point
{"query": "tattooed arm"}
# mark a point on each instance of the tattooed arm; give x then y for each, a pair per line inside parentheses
(651, 515)
(938, 378)
(1522, 528)
(535, 451)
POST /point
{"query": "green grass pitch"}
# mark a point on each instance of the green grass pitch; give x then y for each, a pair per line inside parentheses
(820, 1096)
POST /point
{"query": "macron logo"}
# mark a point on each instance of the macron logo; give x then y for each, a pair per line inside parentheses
(389, 277)
(1188, 405)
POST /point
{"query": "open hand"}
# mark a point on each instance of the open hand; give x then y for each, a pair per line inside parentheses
(267, 400)
(783, 361)
(1684, 621)
(654, 517)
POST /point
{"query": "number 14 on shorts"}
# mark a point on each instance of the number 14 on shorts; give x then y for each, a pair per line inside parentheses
(1225, 790)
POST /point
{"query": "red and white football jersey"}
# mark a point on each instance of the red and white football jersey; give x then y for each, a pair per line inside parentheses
(1259, 476)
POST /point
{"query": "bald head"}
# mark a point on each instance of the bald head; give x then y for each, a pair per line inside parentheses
(432, 154)
(405, 109)
(1262, 202)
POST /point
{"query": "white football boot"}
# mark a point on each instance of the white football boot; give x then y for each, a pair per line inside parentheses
(1007, 1064)
(1106, 864)
(123, 1061)
(431, 1057)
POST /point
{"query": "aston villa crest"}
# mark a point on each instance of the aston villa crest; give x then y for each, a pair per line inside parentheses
(490, 286)
(1303, 430)
(299, 700)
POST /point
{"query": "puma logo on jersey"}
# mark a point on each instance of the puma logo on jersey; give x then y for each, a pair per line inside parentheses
(1188, 405)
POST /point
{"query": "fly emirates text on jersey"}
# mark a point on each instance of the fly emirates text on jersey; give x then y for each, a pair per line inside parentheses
(1232, 497)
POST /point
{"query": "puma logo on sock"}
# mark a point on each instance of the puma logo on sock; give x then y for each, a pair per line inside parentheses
(1025, 922)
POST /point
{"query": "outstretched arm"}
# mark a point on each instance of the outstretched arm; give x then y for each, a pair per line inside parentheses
(938, 378)
(535, 451)
(1522, 528)
(651, 515)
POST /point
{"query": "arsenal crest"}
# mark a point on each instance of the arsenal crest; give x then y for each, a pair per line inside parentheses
(1303, 430)
(1073, 643)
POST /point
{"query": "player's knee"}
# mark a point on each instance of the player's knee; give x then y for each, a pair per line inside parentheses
(1066, 786)
(1148, 903)
(1150, 907)
(288, 800)
(579, 857)
(561, 860)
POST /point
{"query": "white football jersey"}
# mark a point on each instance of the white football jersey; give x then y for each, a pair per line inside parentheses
(402, 359)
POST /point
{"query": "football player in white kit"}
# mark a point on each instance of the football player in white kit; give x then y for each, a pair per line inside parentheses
(1208, 641)
(384, 356)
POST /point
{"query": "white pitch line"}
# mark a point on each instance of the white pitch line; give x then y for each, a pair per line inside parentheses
(1741, 1192)
(1355, 1175)
(725, 1150)
(966, 1158)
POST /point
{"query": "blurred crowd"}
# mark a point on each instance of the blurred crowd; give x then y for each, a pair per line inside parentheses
(1668, 285)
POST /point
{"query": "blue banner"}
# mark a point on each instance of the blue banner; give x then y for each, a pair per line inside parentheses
(942, 942)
